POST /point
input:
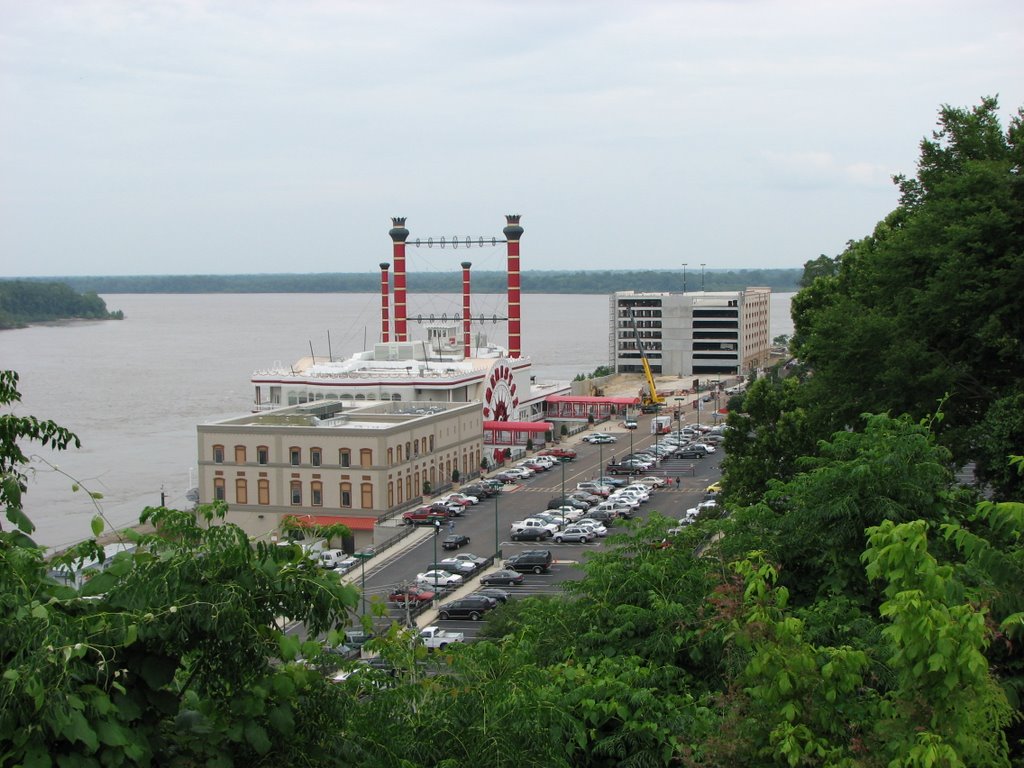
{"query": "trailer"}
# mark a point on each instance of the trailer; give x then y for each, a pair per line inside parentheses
(661, 425)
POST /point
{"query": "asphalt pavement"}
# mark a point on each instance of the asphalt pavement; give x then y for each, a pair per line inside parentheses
(487, 523)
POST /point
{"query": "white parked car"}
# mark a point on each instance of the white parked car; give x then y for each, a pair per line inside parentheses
(458, 498)
(438, 578)
(641, 489)
(708, 447)
(595, 525)
(521, 472)
(631, 501)
(654, 482)
(571, 514)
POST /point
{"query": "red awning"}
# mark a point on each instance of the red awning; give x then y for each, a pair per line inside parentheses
(520, 426)
(587, 399)
(354, 523)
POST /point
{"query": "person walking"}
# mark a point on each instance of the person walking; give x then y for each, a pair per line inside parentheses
(451, 525)
(678, 482)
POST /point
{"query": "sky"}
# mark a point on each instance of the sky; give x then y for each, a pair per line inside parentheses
(194, 137)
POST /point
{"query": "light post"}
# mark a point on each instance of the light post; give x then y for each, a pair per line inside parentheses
(684, 277)
(600, 460)
(497, 552)
(437, 531)
(363, 557)
(561, 506)
(702, 277)
(680, 402)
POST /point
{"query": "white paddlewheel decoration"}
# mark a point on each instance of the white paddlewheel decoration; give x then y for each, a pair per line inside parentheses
(500, 398)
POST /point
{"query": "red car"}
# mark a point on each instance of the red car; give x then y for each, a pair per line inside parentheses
(559, 453)
(411, 595)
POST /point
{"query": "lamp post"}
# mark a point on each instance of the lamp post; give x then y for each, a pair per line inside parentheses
(702, 277)
(684, 277)
(437, 531)
(600, 460)
(680, 401)
(363, 557)
(561, 506)
(497, 552)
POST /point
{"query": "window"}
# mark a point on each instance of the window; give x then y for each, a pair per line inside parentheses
(239, 454)
(416, 447)
(431, 444)
(218, 489)
(346, 495)
(399, 454)
(316, 493)
(365, 457)
(345, 457)
(264, 491)
(408, 450)
(315, 457)
(296, 493)
(262, 455)
(295, 456)
(241, 491)
(391, 456)
(366, 491)
(391, 494)
(218, 454)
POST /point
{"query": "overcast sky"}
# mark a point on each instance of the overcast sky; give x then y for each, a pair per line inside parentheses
(188, 137)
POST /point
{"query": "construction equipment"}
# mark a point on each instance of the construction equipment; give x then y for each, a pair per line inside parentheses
(650, 398)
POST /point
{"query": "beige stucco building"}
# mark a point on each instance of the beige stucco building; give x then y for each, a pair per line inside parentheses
(701, 334)
(335, 462)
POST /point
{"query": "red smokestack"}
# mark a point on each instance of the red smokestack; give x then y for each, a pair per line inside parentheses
(385, 319)
(398, 235)
(512, 234)
(465, 308)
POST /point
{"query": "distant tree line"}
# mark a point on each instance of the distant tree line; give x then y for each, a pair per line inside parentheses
(28, 301)
(536, 281)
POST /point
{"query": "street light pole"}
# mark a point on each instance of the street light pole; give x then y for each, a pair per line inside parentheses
(362, 563)
(497, 552)
(702, 277)
(437, 530)
(561, 506)
(684, 277)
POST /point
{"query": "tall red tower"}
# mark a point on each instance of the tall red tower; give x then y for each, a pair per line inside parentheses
(385, 319)
(513, 232)
(466, 337)
(398, 236)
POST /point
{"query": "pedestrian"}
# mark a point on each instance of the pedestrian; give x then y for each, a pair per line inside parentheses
(451, 525)
(678, 482)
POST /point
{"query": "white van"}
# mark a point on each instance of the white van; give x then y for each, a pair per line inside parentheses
(332, 558)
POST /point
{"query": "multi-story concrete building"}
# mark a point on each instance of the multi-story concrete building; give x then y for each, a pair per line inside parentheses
(334, 462)
(690, 334)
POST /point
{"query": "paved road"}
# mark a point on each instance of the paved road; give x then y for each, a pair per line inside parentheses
(487, 523)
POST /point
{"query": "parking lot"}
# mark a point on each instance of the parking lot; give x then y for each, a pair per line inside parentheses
(487, 525)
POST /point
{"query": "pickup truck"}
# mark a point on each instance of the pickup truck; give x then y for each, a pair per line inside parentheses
(532, 522)
(435, 637)
(423, 516)
(564, 454)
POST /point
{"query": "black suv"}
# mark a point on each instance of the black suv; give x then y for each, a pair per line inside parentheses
(469, 607)
(691, 452)
(532, 560)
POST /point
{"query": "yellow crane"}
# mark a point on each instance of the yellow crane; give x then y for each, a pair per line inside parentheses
(649, 398)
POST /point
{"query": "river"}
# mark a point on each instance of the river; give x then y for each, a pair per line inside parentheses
(134, 390)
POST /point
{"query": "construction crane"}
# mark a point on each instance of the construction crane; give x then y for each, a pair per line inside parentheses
(649, 398)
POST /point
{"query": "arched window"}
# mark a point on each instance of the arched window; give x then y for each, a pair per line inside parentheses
(295, 455)
(346, 495)
(218, 489)
(262, 454)
(315, 457)
(399, 454)
(391, 456)
(218, 454)
(263, 488)
(345, 457)
(241, 491)
(365, 457)
(391, 494)
(316, 493)
(296, 492)
(416, 446)
(239, 454)
(366, 491)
